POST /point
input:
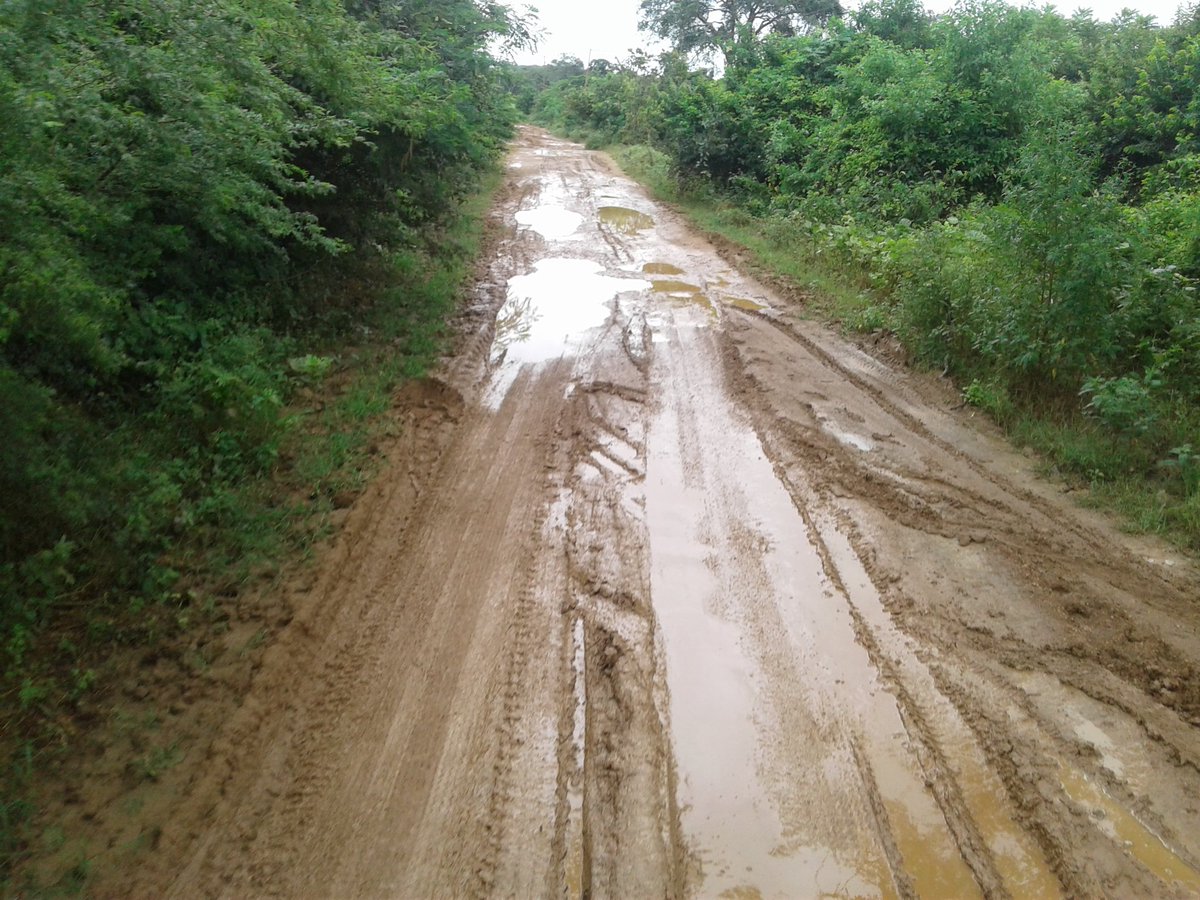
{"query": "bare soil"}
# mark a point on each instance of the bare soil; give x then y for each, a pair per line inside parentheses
(667, 590)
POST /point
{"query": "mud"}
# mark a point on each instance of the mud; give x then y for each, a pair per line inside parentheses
(669, 591)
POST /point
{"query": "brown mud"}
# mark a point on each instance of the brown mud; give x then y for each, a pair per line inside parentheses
(668, 591)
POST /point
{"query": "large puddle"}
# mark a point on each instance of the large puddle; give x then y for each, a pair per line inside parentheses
(623, 220)
(548, 313)
(552, 222)
(774, 706)
(735, 805)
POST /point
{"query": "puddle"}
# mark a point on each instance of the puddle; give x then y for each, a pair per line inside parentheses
(624, 220)
(762, 664)
(548, 312)
(576, 862)
(552, 222)
(748, 305)
(661, 269)
(781, 726)
(682, 292)
(1020, 862)
(731, 816)
(858, 442)
(674, 287)
(1118, 823)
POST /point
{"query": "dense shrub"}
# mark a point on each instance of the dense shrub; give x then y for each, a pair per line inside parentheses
(190, 196)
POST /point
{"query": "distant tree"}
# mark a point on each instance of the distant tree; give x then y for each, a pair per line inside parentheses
(904, 23)
(731, 25)
(566, 66)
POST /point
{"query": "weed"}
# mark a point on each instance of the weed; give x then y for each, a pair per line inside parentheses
(256, 641)
(153, 765)
(990, 397)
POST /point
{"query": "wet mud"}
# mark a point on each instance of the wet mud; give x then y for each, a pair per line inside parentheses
(690, 597)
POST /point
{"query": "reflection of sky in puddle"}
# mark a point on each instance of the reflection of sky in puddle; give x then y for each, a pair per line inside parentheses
(680, 292)
(551, 222)
(561, 299)
(858, 442)
(549, 310)
(624, 220)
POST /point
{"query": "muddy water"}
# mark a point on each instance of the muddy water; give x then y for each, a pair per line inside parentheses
(775, 707)
(1123, 826)
(713, 561)
(667, 286)
(624, 220)
(660, 268)
(747, 305)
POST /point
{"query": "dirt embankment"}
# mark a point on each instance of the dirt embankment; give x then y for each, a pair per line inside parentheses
(667, 591)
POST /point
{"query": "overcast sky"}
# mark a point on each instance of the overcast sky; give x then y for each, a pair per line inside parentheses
(591, 29)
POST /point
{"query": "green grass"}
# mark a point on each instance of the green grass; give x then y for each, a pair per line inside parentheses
(1120, 475)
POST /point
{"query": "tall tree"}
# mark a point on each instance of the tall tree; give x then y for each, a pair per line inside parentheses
(731, 25)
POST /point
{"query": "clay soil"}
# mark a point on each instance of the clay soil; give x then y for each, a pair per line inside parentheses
(668, 591)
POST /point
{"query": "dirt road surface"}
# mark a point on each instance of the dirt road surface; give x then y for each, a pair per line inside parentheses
(669, 592)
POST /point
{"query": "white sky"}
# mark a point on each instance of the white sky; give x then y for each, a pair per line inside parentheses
(592, 29)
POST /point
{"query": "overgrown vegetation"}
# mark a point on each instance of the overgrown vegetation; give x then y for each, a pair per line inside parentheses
(206, 211)
(1014, 193)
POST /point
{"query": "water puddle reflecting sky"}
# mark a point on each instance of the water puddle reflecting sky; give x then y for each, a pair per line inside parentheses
(549, 311)
(552, 222)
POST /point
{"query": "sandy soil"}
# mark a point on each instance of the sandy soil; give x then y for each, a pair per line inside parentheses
(667, 591)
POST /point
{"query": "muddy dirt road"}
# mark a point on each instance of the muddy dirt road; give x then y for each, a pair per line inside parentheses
(668, 592)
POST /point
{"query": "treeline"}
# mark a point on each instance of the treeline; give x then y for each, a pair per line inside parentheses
(196, 200)
(1016, 192)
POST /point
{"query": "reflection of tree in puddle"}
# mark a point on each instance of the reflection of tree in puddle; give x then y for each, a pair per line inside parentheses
(514, 324)
(623, 220)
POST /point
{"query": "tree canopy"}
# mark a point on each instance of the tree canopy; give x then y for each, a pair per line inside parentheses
(727, 25)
